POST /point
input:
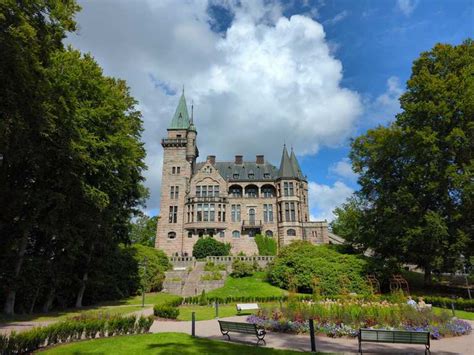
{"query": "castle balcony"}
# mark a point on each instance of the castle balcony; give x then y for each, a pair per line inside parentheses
(252, 224)
(205, 225)
(174, 142)
(200, 199)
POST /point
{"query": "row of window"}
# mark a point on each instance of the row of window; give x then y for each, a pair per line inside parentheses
(250, 175)
(207, 191)
(235, 234)
(176, 170)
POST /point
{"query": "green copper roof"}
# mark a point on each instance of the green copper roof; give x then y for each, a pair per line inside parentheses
(295, 165)
(181, 117)
(286, 167)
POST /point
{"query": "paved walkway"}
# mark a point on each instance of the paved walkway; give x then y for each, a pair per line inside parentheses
(210, 329)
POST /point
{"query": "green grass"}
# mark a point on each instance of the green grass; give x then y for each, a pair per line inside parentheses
(124, 306)
(459, 314)
(255, 285)
(162, 343)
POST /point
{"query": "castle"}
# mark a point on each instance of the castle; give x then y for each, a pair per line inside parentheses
(230, 201)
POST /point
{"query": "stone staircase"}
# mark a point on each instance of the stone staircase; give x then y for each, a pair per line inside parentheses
(187, 281)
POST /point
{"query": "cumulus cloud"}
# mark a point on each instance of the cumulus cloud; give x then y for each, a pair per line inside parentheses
(264, 80)
(343, 169)
(384, 107)
(337, 18)
(325, 198)
(407, 6)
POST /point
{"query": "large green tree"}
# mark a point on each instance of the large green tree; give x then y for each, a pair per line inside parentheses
(417, 175)
(143, 230)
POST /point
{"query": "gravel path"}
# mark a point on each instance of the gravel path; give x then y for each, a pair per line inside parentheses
(210, 329)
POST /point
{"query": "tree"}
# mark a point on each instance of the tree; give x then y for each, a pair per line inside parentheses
(349, 221)
(416, 175)
(208, 246)
(266, 245)
(143, 230)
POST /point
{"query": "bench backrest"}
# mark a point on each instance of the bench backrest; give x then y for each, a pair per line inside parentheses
(243, 306)
(238, 327)
(394, 336)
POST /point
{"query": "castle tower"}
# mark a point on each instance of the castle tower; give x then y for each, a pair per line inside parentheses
(179, 158)
(289, 200)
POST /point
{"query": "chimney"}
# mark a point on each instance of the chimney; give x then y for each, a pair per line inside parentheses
(239, 159)
(260, 159)
(211, 159)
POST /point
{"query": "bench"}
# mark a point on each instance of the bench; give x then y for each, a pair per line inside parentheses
(246, 307)
(244, 328)
(394, 336)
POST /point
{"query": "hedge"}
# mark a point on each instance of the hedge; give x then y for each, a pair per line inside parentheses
(233, 299)
(168, 309)
(445, 302)
(72, 330)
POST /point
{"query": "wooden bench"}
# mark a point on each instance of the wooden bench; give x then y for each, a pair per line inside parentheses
(394, 336)
(244, 328)
(246, 307)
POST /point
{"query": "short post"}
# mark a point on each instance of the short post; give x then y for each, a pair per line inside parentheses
(217, 309)
(452, 307)
(193, 324)
(311, 336)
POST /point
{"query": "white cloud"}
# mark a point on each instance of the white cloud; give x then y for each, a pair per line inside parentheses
(324, 199)
(266, 80)
(407, 6)
(385, 106)
(338, 18)
(343, 169)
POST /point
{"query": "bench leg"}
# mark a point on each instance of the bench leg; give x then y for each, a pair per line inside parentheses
(427, 349)
(226, 334)
(261, 339)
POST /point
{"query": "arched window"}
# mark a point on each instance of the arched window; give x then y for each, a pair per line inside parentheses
(171, 235)
(235, 191)
(268, 191)
(235, 234)
(291, 233)
(251, 191)
(269, 233)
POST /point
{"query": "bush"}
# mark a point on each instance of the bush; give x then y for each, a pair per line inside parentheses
(166, 311)
(84, 327)
(301, 263)
(241, 268)
(445, 302)
(208, 246)
(266, 245)
(211, 276)
(210, 266)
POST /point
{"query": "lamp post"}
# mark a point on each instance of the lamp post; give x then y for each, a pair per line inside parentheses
(144, 263)
(463, 261)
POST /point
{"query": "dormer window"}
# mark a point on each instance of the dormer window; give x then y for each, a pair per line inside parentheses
(251, 175)
(266, 176)
(236, 176)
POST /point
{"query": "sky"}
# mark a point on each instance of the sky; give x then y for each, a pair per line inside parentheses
(311, 74)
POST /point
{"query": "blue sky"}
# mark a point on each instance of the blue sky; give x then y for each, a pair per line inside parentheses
(312, 74)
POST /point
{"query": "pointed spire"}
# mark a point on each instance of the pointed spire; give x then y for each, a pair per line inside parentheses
(181, 117)
(295, 165)
(286, 168)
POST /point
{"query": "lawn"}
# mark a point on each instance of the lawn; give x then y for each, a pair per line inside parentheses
(124, 306)
(208, 312)
(162, 343)
(459, 314)
(255, 285)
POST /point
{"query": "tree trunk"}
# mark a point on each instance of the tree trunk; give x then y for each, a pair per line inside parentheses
(33, 302)
(9, 306)
(427, 280)
(80, 293)
(49, 301)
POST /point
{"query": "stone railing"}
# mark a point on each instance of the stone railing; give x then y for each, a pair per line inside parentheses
(183, 261)
(261, 260)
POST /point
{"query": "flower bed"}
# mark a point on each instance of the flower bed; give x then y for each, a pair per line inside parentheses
(344, 318)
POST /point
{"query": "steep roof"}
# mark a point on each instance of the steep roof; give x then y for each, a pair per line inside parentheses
(248, 171)
(286, 167)
(181, 116)
(295, 165)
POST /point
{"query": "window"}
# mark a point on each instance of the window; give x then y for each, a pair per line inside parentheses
(251, 175)
(200, 234)
(268, 191)
(252, 216)
(171, 235)
(269, 233)
(174, 192)
(216, 190)
(235, 234)
(291, 233)
(268, 213)
(251, 191)
(236, 191)
(173, 217)
(178, 170)
(178, 136)
(288, 188)
(266, 176)
(190, 234)
(212, 212)
(236, 176)
(173, 170)
(287, 212)
(290, 212)
(235, 212)
(221, 234)
(205, 212)
(199, 212)
(198, 191)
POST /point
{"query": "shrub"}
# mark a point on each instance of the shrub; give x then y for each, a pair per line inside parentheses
(266, 245)
(210, 266)
(166, 311)
(208, 246)
(203, 298)
(211, 276)
(300, 263)
(241, 268)
(445, 302)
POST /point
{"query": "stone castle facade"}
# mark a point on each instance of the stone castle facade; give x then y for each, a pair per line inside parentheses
(231, 201)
